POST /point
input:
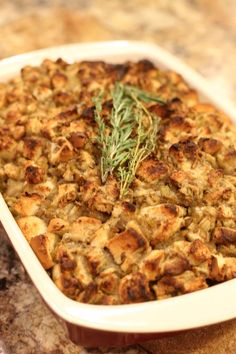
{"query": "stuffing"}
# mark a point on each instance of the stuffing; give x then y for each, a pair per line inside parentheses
(151, 217)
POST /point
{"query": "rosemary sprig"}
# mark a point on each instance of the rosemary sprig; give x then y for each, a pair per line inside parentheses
(115, 141)
(143, 95)
(129, 138)
(145, 145)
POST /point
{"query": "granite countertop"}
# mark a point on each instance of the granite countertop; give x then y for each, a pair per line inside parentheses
(203, 33)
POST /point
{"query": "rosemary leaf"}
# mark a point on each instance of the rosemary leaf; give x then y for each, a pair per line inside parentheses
(144, 96)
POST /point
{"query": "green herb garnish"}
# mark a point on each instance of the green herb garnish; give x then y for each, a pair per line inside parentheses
(129, 137)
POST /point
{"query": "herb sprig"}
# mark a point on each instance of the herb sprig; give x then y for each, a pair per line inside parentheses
(129, 137)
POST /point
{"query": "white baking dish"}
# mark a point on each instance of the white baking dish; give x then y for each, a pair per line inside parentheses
(121, 324)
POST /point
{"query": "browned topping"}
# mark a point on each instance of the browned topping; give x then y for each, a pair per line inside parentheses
(126, 243)
(118, 71)
(152, 266)
(211, 146)
(186, 149)
(78, 139)
(34, 174)
(70, 286)
(160, 110)
(66, 263)
(63, 98)
(134, 288)
(7, 148)
(176, 265)
(152, 170)
(57, 225)
(145, 65)
(183, 283)
(41, 246)
(109, 281)
(199, 251)
(224, 235)
(172, 233)
(128, 207)
(222, 269)
(32, 148)
(171, 210)
(59, 80)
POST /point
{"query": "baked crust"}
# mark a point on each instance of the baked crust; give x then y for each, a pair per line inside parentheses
(174, 233)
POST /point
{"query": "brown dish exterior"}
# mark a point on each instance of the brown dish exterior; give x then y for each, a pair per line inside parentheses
(174, 232)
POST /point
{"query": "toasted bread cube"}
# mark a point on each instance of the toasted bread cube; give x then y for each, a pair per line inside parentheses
(91, 294)
(82, 272)
(58, 226)
(44, 189)
(8, 148)
(134, 288)
(227, 161)
(14, 188)
(58, 80)
(44, 246)
(61, 151)
(164, 220)
(127, 243)
(108, 281)
(152, 170)
(34, 174)
(84, 228)
(98, 260)
(186, 282)
(222, 268)
(12, 171)
(152, 264)
(175, 265)
(28, 205)
(66, 282)
(32, 226)
(67, 192)
(32, 148)
(224, 235)
(104, 198)
(209, 145)
(162, 211)
(101, 236)
(198, 252)
(78, 139)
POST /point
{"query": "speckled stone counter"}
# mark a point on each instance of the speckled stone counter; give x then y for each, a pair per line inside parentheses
(201, 32)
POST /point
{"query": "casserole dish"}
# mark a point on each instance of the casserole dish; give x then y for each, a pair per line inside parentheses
(121, 324)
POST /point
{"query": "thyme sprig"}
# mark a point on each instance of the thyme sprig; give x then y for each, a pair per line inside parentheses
(130, 135)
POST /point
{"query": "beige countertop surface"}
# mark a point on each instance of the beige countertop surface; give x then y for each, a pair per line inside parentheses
(203, 34)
